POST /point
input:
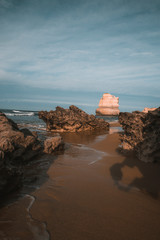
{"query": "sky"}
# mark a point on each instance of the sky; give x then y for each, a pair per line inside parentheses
(79, 46)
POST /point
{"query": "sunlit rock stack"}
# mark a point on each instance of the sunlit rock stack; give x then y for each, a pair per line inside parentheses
(72, 120)
(108, 105)
(141, 134)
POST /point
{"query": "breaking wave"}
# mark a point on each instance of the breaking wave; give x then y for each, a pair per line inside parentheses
(19, 113)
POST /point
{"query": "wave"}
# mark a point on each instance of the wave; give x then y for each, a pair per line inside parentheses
(18, 113)
(30, 125)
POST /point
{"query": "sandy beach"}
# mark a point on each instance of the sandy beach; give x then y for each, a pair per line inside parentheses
(79, 120)
(92, 193)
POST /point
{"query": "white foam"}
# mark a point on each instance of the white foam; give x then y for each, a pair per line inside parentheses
(31, 202)
(16, 111)
(20, 114)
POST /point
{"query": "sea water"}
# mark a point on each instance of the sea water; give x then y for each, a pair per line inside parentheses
(25, 111)
(30, 119)
(25, 118)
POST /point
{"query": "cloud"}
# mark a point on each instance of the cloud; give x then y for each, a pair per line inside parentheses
(6, 3)
(85, 45)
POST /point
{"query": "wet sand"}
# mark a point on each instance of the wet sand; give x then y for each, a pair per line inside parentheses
(92, 193)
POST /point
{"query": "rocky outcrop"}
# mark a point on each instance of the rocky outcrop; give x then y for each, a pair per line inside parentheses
(16, 147)
(54, 143)
(108, 105)
(141, 134)
(71, 120)
(146, 110)
(16, 144)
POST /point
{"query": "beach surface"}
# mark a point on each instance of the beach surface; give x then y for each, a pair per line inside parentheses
(92, 193)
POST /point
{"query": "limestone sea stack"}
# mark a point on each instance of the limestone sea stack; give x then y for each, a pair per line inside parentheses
(141, 134)
(71, 120)
(108, 105)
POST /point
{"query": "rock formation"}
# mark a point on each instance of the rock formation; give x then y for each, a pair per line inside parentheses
(146, 110)
(15, 143)
(71, 120)
(141, 134)
(53, 143)
(108, 105)
(17, 147)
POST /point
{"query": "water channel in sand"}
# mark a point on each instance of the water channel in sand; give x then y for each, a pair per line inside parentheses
(90, 192)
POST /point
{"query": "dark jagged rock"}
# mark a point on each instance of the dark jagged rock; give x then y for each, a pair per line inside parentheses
(15, 143)
(141, 134)
(16, 147)
(53, 143)
(71, 120)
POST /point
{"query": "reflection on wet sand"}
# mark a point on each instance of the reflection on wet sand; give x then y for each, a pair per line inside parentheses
(136, 174)
(92, 192)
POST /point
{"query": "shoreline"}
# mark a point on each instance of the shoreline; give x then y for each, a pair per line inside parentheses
(135, 173)
(113, 198)
(103, 200)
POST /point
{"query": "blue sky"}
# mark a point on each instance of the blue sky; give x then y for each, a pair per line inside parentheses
(91, 45)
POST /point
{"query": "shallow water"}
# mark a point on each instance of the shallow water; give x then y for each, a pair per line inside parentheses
(29, 119)
(25, 118)
(87, 192)
(74, 197)
(16, 219)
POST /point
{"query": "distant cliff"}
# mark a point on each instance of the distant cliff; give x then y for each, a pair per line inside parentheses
(108, 105)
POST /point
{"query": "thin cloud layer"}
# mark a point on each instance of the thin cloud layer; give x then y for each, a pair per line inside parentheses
(84, 45)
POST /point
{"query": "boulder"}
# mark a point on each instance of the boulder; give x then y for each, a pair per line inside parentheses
(53, 143)
(16, 144)
(141, 134)
(16, 147)
(108, 105)
(71, 120)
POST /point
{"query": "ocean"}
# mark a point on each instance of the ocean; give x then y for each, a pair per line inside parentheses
(30, 119)
(25, 118)
(89, 182)
(25, 111)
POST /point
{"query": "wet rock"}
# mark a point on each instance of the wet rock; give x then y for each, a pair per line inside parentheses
(16, 147)
(108, 105)
(141, 134)
(52, 144)
(10, 179)
(71, 120)
(15, 143)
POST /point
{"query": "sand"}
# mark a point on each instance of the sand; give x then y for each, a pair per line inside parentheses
(106, 199)
(93, 193)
